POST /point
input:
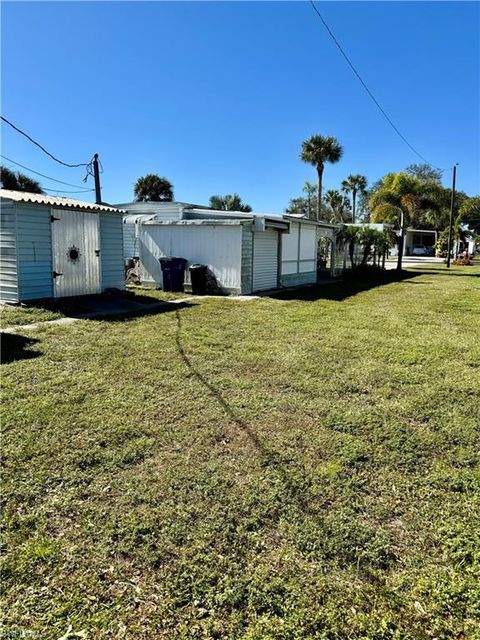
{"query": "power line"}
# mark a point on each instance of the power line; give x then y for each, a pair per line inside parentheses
(61, 191)
(66, 164)
(69, 184)
(365, 86)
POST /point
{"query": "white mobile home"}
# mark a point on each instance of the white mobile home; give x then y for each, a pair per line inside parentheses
(52, 247)
(246, 252)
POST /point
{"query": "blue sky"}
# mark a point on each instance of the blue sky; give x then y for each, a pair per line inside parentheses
(218, 96)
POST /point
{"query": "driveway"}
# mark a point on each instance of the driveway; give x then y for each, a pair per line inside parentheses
(412, 261)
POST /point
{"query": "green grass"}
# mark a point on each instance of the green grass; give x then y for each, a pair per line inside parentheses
(273, 469)
(11, 315)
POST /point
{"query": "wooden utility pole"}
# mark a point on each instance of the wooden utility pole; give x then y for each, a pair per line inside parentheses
(96, 175)
(452, 204)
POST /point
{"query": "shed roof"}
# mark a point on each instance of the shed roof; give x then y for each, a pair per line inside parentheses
(55, 201)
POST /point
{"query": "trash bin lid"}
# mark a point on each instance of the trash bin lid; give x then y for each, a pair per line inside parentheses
(198, 266)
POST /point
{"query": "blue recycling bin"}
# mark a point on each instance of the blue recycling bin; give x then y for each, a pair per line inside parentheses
(173, 270)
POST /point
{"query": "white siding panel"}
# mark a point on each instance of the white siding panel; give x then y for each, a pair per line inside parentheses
(306, 265)
(308, 242)
(111, 252)
(34, 252)
(265, 260)
(8, 254)
(290, 243)
(217, 246)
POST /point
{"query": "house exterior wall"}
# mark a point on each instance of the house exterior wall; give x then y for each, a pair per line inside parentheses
(299, 255)
(34, 252)
(111, 253)
(266, 247)
(247, 258)
(163, 210)
(130, 240)
(8, 254)
(218, 246)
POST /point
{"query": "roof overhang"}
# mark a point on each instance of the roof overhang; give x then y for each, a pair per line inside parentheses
(26, 197)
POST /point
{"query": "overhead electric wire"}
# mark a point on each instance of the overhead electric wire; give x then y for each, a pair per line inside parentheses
(350, 63)
(69, 184)
(60, 190)
(66, 164)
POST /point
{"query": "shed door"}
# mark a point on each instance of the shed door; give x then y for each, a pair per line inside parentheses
(265, 259)
(76, 253)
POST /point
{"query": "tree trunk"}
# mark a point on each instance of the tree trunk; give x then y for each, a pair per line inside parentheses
(319, 202)
(351, 249)
(354, 196)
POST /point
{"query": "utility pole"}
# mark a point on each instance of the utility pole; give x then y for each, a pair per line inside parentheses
(401, 241)
(452, 203)
(96, 175)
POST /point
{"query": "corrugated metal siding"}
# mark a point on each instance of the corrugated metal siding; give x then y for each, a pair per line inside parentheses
(130, 241)
(164, 210)
(34, 252)
(80, 231)
(218, 246)
(55, 201)
(247, 258)
(111, 240)
(8, 254)
(265, 260)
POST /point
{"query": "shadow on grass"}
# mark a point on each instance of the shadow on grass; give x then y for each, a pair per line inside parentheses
(339, 290)
(292, 487)
(15, 347)
(115, 306)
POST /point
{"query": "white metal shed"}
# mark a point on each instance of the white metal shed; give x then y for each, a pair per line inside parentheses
(52, 247)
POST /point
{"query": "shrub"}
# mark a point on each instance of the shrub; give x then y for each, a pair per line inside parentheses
(462, 261)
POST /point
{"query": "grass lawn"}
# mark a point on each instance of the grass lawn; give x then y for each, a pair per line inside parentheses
(305, 467)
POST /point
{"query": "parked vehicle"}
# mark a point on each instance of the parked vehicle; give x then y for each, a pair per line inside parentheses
(419, 250)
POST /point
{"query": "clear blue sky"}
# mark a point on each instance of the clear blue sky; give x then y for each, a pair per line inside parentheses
(218, 96)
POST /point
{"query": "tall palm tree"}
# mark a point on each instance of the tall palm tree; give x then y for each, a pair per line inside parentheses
(355, 184)
(231, 202)
(153, 188)
(316, 151)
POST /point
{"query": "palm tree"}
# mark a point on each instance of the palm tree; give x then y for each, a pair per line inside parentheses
(16, 181)
(399, 200)
(316, 151)
(153, 188)
(355, 184)
(231, 202)
(339, 206)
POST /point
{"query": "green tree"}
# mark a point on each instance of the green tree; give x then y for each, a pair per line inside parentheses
(425, 172)
(469, 213)
(339, 206)
(355, 184)
(16, 181)
(231, 202)
(399, 200)
(316, 151)
(153, 188)
(310, 191)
